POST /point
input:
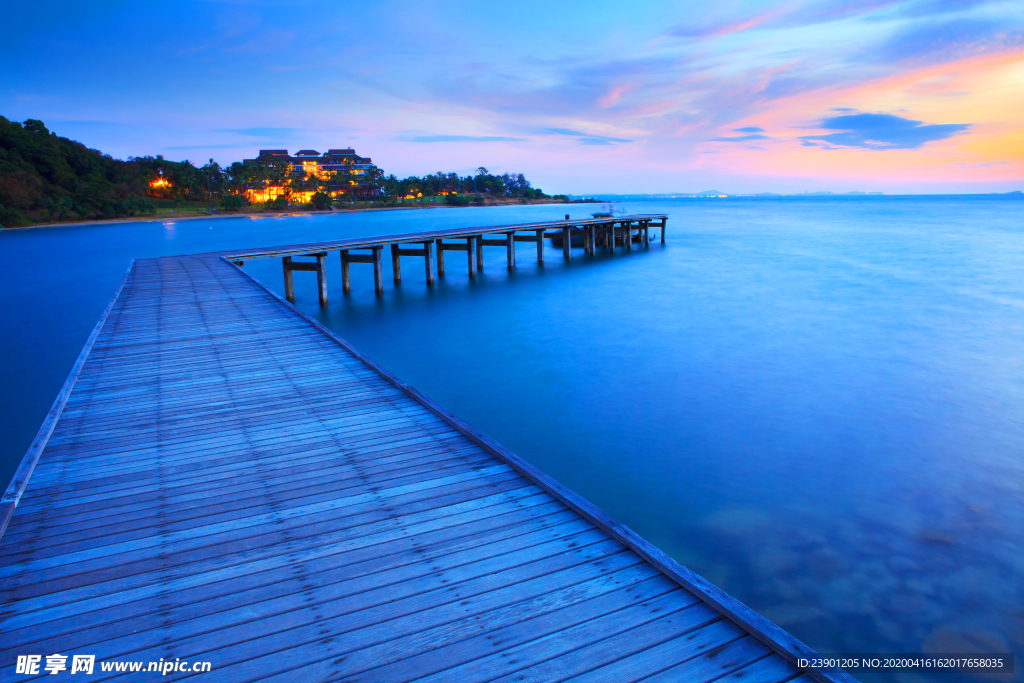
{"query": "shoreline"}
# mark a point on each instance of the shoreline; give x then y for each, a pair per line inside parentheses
(265, 214)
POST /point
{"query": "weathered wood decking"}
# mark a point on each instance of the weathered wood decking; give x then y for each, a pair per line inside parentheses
(228, 482)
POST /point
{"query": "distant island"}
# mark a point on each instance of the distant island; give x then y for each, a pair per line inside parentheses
(45, 178)
(715, 194)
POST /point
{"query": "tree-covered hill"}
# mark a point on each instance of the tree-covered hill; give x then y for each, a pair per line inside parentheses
(47, 177)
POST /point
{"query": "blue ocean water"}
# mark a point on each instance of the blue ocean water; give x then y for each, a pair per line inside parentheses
(816, 403)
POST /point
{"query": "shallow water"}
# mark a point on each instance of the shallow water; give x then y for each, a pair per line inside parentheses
(818, 404)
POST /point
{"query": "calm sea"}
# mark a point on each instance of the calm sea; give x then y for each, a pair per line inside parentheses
(818, 403)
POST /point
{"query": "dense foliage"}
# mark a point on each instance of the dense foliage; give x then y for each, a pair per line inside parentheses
(55, 178)
(44, 177)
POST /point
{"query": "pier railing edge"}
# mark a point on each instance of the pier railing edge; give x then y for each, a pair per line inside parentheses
(756, 625)
(19, 482)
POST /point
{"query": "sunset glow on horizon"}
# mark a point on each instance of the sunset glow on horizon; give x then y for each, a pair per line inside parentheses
(879, 95)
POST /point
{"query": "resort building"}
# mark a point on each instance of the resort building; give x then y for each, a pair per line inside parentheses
(338, 169)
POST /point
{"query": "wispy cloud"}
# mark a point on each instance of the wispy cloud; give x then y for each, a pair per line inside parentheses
(985, 164)
(584, 138)
(742, 138)
(259, 132)
(952, 38)
(882, 131)
(184, 147)
(460, 138)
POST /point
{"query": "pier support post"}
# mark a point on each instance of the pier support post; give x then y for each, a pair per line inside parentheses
(378, 270)
(566, 244)
(289, 283)
(440, 258)
(647, 229)
(510, 249)
(428, 247)
(346, 280)
(611, 234)
(629, 236)
(321, 277)
(663, 221)
(469, 255)
(480, 253)
(396, 264)
(540, 246)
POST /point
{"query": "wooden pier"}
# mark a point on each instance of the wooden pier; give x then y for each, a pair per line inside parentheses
(224, 480)
(597, 233)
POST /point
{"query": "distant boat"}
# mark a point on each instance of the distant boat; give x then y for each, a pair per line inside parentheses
(607, 211)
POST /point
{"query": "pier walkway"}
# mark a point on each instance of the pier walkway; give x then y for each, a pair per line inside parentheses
(591, 233)
(223, 480)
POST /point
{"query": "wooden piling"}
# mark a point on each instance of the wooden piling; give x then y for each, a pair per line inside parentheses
(510, 249)
(440, 258)
(378, 270)
(479, 253)
(289, 284)
(346, 281)
(321, 278)
(469, 255)
(629, 235)
(427, 248)
(396, 264)
(566, 243)
(540, 245)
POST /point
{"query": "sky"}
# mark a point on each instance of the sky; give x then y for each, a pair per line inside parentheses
(897, 96)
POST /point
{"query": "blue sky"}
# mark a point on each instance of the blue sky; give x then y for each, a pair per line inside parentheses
(901, 95)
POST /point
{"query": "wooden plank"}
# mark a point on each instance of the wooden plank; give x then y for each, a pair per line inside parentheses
(768, 670)
(360, 258)
(339, 577)
(516, 643)
(302, 266)
(493, 585)
(212, 577)
(675, 636)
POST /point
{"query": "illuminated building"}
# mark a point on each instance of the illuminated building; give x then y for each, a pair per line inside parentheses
(341, 169)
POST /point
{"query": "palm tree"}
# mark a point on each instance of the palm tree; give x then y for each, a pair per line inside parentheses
(372, 179)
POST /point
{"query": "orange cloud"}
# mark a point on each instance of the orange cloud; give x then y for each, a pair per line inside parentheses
(985, 91)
